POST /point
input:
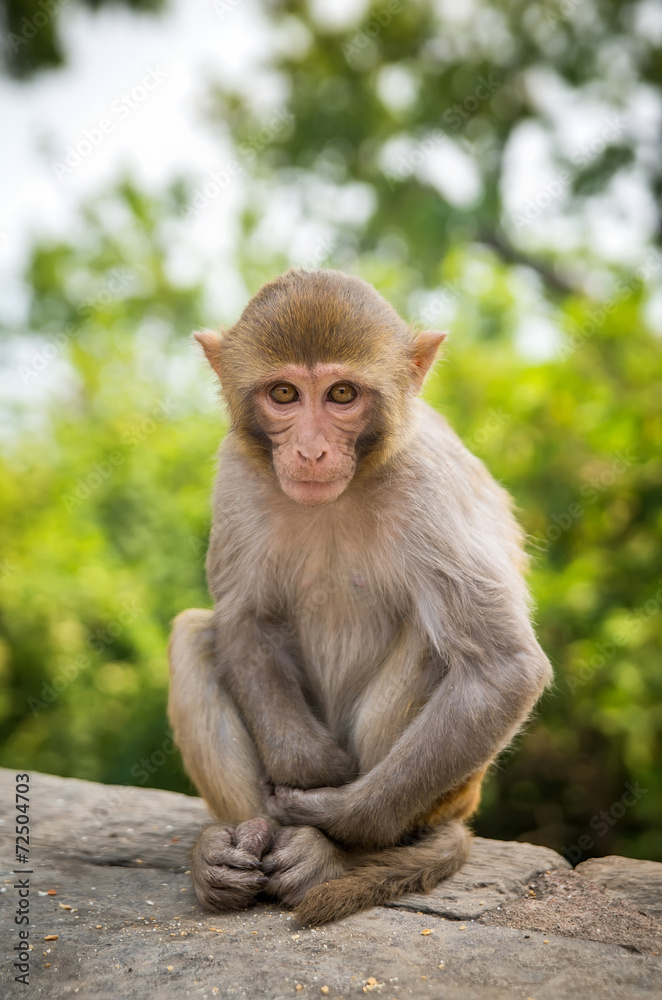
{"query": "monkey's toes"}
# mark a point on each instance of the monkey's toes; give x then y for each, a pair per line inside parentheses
(254, 836)
(226, 865)
(300, 858)
(220, 887)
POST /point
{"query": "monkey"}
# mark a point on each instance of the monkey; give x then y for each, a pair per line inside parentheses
(370, 650)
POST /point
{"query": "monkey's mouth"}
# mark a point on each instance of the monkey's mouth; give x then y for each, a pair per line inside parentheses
(314, 491)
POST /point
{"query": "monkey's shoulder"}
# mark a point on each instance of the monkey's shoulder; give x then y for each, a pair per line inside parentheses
(442, 462)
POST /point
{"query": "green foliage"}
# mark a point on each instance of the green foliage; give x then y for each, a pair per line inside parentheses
(105, 508)
(578, 441)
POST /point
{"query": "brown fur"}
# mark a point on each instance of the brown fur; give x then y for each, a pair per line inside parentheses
(367, 657)
(383, 876)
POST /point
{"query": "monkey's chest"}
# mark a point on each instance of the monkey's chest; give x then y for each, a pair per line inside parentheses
(362, 659)
(345, 628)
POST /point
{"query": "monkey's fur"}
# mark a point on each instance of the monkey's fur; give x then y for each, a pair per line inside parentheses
(366, 658)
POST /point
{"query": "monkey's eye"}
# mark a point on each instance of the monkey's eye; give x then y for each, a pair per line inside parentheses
(342, 392)
(284, 393)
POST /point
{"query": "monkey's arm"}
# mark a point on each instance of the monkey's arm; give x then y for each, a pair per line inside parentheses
(293, 745)
(473, 714)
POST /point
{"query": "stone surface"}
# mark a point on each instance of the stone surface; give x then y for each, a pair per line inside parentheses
(563, 902)
(109, 878)
(638, 882)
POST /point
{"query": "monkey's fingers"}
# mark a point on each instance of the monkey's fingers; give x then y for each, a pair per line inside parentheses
(296, 805)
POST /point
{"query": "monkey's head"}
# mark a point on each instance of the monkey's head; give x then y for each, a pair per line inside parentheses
(319, 374)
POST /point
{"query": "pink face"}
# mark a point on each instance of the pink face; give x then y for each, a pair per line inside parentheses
(313, 418)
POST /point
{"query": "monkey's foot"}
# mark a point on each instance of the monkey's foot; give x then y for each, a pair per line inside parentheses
(226, 867)
(301, 857)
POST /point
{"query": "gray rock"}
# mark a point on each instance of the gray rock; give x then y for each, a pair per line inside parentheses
(128, 924)
(563, 902)
(638, 882)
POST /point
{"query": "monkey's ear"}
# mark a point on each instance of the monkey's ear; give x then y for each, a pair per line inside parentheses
(423, 353)
(211, 345)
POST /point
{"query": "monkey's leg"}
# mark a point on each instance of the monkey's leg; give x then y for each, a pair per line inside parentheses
(220, 757)
(302, 857)
(218, 752)
(380, 876)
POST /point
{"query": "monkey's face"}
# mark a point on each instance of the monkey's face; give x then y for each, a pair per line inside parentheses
(319, 373)
(313, 418)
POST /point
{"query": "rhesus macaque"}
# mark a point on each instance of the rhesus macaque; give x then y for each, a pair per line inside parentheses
(370, 651)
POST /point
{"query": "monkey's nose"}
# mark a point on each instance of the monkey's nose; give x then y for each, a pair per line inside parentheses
(311, 456)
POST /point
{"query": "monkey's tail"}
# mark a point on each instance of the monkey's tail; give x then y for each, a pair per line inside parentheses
(384, 875)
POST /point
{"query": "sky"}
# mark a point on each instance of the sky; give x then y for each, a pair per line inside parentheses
(144, 77)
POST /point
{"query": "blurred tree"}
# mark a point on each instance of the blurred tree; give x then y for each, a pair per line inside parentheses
(403, 119)
(30, 38)
(104, 506)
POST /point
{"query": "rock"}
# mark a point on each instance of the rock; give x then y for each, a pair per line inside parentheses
(109, 878)
(563, 902)
(638, 882)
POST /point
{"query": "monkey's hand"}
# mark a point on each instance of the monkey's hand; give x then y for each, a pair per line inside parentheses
(314, 762)
(319, 807)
